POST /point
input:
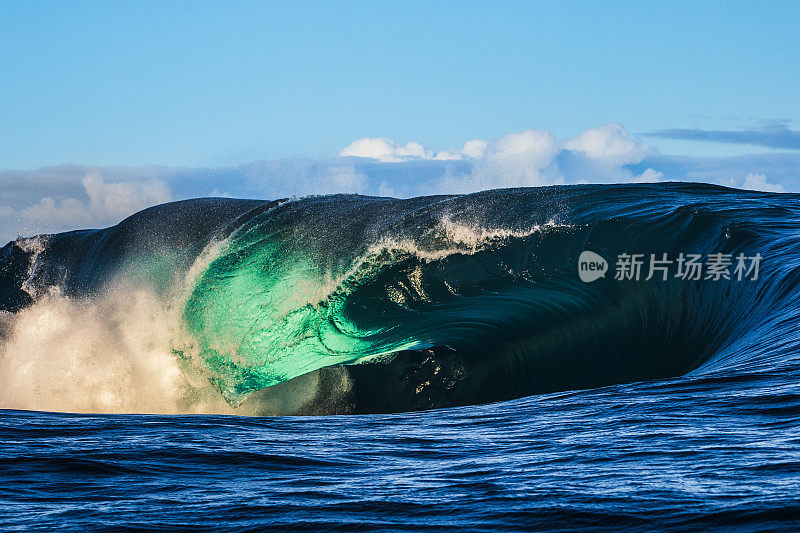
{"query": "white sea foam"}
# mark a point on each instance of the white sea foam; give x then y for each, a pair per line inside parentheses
(108, 354)
(34, 246)
(451, 238)
(112, 352)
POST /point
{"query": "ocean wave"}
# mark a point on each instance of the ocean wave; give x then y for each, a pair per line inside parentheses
(348, 304)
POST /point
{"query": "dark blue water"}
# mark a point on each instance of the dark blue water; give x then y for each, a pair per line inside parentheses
(620, 404)
(691, 453)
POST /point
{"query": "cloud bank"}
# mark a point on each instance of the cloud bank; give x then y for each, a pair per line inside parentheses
(73, 196)
(50, 200)
(524, 159)
(769, 135)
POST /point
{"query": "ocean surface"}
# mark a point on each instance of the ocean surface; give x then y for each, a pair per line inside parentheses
(452, 362)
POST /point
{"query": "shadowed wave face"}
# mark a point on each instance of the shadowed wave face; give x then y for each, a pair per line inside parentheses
(352, 304)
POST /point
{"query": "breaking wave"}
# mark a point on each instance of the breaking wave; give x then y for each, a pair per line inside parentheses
(352, 304)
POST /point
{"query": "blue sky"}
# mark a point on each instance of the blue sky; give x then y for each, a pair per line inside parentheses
(219, 85)
(208, 83)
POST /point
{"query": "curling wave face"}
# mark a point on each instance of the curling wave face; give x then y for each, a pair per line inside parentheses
(355, 304)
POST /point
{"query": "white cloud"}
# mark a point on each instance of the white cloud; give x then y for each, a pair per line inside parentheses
(300, 177)
(758, 182)
(536, 147)
(611, 144)
(115, 201)
(648, 176)
(515, 160)
(102, 204)
(474, 148)
(342, 179)
(386, 150)
(49, 213)
(527, 158)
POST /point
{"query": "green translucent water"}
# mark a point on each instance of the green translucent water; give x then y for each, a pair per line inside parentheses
(305, 287)
(262, 314)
